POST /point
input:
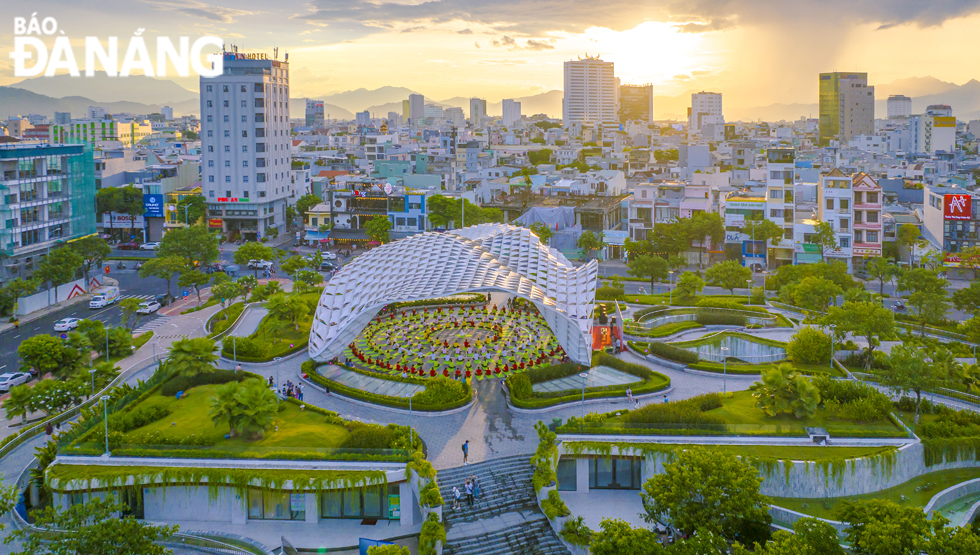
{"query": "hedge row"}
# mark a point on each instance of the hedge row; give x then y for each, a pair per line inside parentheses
(396, 402)
(667, 330)
(668, 352)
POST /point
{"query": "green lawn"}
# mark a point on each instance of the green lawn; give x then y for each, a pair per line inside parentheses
(713, 338)
(297, 428)
(800, 453)
(783, 322)
(917, 492)
(734, 368)
(739, 409)
(665, 330)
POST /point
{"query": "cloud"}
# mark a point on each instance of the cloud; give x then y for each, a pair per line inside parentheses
(720, 24)
(530, 44)
(476, 44)
(465, 32)
(537, 45)
(200, 9)
(505, 41)
(413, 29)
(682, 77)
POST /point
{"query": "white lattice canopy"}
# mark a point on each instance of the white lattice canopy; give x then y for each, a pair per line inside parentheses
(482, 258)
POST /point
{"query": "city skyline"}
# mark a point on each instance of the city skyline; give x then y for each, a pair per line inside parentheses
(451, 48)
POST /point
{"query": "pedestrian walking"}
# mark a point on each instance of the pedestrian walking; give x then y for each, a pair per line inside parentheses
(238, 368)
(665, 398)
(300, 388)
(629, 395)
(456, 496)
(476, 487)
(466, 451)
(469, 492)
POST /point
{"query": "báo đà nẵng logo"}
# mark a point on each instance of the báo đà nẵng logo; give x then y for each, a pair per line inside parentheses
(184, 57)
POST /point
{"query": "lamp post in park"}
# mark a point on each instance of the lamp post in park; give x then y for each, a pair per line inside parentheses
(724, 365)
(585, 379)
(92, 372)
(748, 294)
(105, 420)
(276, 360)
(670, 287)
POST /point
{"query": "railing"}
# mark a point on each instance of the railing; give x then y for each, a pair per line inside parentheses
(97, 448)
(883, 431)
(756, 359)
(657, 318)
(209, 545)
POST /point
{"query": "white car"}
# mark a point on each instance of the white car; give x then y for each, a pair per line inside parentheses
(12, 379)
(66, 324)
(259, 264)
(149, 246)
(149, 307)
(329, 256)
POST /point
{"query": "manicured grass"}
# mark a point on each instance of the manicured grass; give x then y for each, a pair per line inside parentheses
(930, 484)
(210, 302)
(280, 341)
(739, 409)
(713, 338)
(142, 339)
(674, 300)
(666, 329)
(297, 428)
(783, 322)
(800, 453)
(735, 368)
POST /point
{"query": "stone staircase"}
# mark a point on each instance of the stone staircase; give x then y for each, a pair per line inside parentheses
(505, 520)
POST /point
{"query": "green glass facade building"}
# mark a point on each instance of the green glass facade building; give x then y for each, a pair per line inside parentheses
(47, 199)
(830, 102)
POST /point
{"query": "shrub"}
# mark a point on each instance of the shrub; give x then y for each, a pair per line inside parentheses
(369, 436)
(430, 496)
(218, 376)
(809, 346)
(758, 295)
(609, 293)
(670, 352)
(717, 319)
(853, 401)
(575, 532)
(440, 391)
(244, 347)
(432, 531)
(138, 417)
(688, 411)
(388, 550)
(553, 506)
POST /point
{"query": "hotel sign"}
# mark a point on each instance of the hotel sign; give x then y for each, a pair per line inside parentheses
(944, 121)
(957, 207)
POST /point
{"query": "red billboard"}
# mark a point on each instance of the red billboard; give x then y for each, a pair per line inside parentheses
(957, 207)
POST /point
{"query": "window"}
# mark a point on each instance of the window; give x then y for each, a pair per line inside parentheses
(830, 204)
(210, 133)
(845, 242)
(872, 198)
(845, 204)
(260, 132)
(210, 179)
(226, 118)
(244, 179)
(259, 103)
(260, 162)
(227, 179)
(245, 134)
(259, 147)
(244, 104)
(857, 236)
(257, 88)
(244, 119)
(872, 236)
(845, 225)
(614, 473)
(211, 193)
(244, 148)
(209, 88)
(260, 178)
(210, 163)
(245, 163)
(872, 217)
(243, 88)
(209, 119)
(210, 149)
(226, 103)
(775, 193)
(224, 88)
(209, 105)
(227, 148)
(262, 193)
(775, 213)
(276, 505)
(227, 133)
(567, 475)
(366, 502)
(227, 163)
(259, 118)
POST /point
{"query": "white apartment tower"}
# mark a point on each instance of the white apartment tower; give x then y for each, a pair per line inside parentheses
(245, 143)
(899, 106)
(512, 112)
(590, 92)
(478, 110)
(455, 116)
(857, 108)
(416, 108)
(706, 108)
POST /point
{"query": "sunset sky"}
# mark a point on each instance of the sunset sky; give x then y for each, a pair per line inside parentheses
(756, 52)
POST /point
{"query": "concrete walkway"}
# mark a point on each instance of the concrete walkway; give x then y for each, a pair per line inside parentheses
(600, 376)
(250, 322)
(368, 383)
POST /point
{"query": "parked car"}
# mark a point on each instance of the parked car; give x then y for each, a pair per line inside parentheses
(66, 324)
(164, 299)
(148, 307)
(130, 246)
(13, 379)
(329, 255)
(259, 264)
(756, 267)
(327, 267)
(149, 246)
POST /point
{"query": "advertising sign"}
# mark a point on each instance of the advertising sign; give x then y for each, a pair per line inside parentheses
(746, 204)
(952, 260)
(152, 206)
(214, 222)
(957, 207)
(734, 220)
(944, 121)
(394, 505)
(121, 220)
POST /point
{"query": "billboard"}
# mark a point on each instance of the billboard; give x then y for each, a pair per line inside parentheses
(944, 121)
(152, 206)
(214, 222)
(115, 220)
(957, 207)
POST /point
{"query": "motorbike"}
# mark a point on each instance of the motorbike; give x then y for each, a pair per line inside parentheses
(139, 265)
(120, 266)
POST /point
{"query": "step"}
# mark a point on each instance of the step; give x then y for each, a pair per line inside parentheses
(533, 537)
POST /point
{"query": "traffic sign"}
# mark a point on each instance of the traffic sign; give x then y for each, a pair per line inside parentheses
(64, 336)
(185, 293)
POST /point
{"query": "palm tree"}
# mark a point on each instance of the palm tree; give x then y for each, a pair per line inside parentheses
(274, 327)
(224, 406)
(246, 408)
(285, 307)
(191, 357)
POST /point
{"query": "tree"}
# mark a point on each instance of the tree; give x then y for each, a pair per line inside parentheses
(881, 269)
(865, 319)
(120, 342)
(705, 225)
(783, 391)
(764, 230)
(15, 289)
(589, 242)
(617, 537)
(543, 232)
(648, 266)
(253, 251)
(196, 279)
(165, 268)
(93, 250)
(928, 294)
(54, 396)
(968, 299)
(44, 353)
(246, 408)
(287, 308)
(536, 157)
(195, 245)
(443, 210)
(676, 262)
(812, 537)
(192, 357)
(825, 237)
(970, 258)
(246, 284)
(93, 527)
(809, 346)
(815, 293)
(226, 291)
(19, 402)
(388, 550)
(728, 275)
(666, 155)
(309, 278)
(879, 527)
(305, 203)
(128, 308)
(688, 286)
(191, 209)
(294, 264)
(908, 372)
(378, 229)
(59, 267)
(909, 236)
(706, 490)
(78, 352)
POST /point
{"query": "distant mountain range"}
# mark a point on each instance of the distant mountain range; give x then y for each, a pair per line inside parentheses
(104, 89)
(22, 102)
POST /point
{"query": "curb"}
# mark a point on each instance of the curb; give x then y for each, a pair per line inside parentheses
(708, 374)
(457, 410)
(587, 402)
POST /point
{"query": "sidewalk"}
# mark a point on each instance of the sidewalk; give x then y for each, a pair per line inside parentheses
(55, 307)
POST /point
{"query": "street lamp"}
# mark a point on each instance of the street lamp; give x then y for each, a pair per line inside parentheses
(107, 344)
(670, 287)
(765, 275)
(833, 328)
(92, 371)
(276, 360)
(105, 419)
(724, 365)
(748, 286)
(585, 378)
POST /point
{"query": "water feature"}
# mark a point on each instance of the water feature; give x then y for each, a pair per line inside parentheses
(740, 347)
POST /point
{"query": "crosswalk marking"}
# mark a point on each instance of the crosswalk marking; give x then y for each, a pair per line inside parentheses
(152, 324)
(140, 297)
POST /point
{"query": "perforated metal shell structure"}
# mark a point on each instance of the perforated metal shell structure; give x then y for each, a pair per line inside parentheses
(482, 258)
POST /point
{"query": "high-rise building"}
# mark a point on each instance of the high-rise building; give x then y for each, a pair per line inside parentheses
(62, 118)
(363, 118)
(455, 115)
(511, 112)
(706, 109)
(129, 133)
(433, 111)
(933, 131)
(49, 195)
(416, 108)
(97, 112)
(478, 110)
(847, 106)
(635, 103)
(405, 109)
(899, 106)
(314, 113)
(167, 112)
(245, 144)
(590, 91)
